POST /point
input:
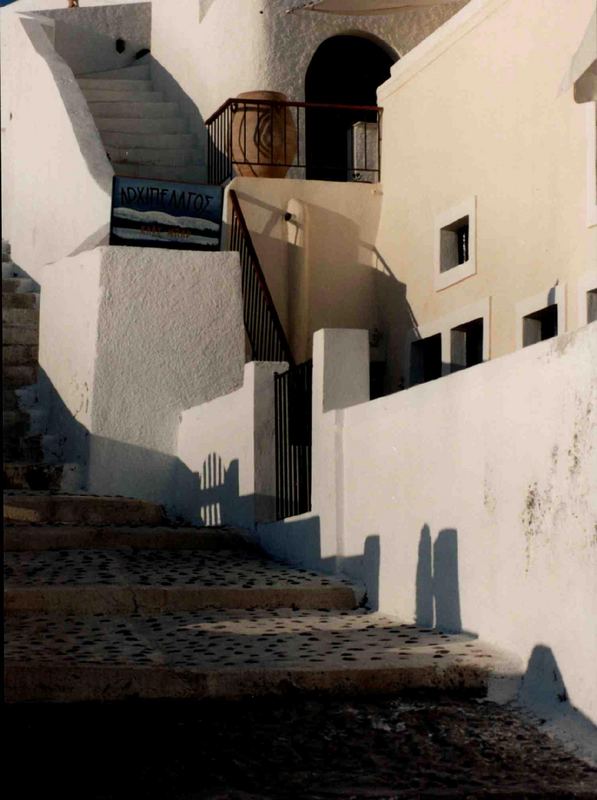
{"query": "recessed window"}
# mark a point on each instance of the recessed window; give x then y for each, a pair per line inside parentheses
(466, 345)
(454, 249)
(454, 244)
(426, 359)
(592, 305)
(540, 325)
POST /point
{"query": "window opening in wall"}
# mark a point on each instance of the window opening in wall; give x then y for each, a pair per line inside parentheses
(454, 244)
(540, 325)
(592, 305)
(466, 345)
(426, 359)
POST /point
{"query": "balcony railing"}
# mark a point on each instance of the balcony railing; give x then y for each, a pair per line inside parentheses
(273, 138)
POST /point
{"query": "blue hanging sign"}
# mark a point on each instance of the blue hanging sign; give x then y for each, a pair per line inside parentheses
(152, 213)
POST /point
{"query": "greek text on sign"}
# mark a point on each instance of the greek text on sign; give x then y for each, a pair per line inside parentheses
(152, 213)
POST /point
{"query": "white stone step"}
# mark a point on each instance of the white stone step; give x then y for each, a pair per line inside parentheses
(154, 155)
(114, 85)
(138, 125)
(116, 96)
(164, 173)
(134, 110)
(137, 71)
(126, 140)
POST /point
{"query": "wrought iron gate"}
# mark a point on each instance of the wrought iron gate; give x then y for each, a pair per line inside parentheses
(293, 391)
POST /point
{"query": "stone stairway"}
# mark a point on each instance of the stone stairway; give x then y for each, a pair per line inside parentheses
(105, 600)
(144, 136)
(26, 466)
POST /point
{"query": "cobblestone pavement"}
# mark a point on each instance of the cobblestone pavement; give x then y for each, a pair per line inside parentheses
(277, 749)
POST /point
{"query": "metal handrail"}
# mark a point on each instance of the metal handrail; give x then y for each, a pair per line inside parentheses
(289, 119)
(262, 323)
(234, 101)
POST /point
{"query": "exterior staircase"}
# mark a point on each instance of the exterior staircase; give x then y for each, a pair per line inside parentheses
(144, 135)
(26, 465)
(105, 599)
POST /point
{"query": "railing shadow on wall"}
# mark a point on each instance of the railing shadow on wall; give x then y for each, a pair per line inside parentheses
(543, 687)
(360, 264)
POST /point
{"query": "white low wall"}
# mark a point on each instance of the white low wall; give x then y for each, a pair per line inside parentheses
(468, 502)
(56, 177)
(228, 446)
(129, 339)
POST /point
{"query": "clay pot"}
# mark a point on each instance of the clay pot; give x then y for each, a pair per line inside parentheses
(264, 135)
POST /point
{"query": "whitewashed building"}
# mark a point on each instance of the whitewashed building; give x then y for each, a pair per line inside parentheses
(434, 215)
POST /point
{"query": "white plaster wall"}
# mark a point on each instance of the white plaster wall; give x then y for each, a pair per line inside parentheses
(479, 491)
(321, 266)
(477, 110)
(46, 5)
(215, 50)
(228, 446)
(146, 333)
(86, 38)
(56, 188)
(68, 326)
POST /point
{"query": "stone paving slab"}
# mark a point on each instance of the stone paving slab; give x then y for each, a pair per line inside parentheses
(233, 654)
(78, 509)
(121, 581)
(62, 537)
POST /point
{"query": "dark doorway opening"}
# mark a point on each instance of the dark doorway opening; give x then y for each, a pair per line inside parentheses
(467, 344)
(540, 325)
(426, 359)
(345, 70)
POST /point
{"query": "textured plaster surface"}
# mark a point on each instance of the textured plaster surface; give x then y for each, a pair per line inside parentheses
(86, 39)
(170, 337)
(482, 113)
(321, 266)
(271, 49)
(45, 180)
(68, 329)
(131, 338)
(228, 445)
(480, 489)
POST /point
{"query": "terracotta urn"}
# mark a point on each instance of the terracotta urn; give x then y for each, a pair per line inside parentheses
(264, 135)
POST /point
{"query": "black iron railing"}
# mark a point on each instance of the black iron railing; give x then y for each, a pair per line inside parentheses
(260, 137)
(264, 331)
(293, 390)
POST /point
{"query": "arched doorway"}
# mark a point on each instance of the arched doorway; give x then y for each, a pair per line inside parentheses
(344, 70)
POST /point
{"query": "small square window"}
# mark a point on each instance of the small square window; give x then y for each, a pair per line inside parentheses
(540, 325)
(592, 305)
(466, 345)
(454, 244)
(426, 359)
(454, 249)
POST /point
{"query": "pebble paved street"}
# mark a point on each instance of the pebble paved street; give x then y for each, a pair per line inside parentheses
(413, 747)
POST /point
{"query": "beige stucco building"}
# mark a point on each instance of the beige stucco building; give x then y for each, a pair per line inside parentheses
(460, 233)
